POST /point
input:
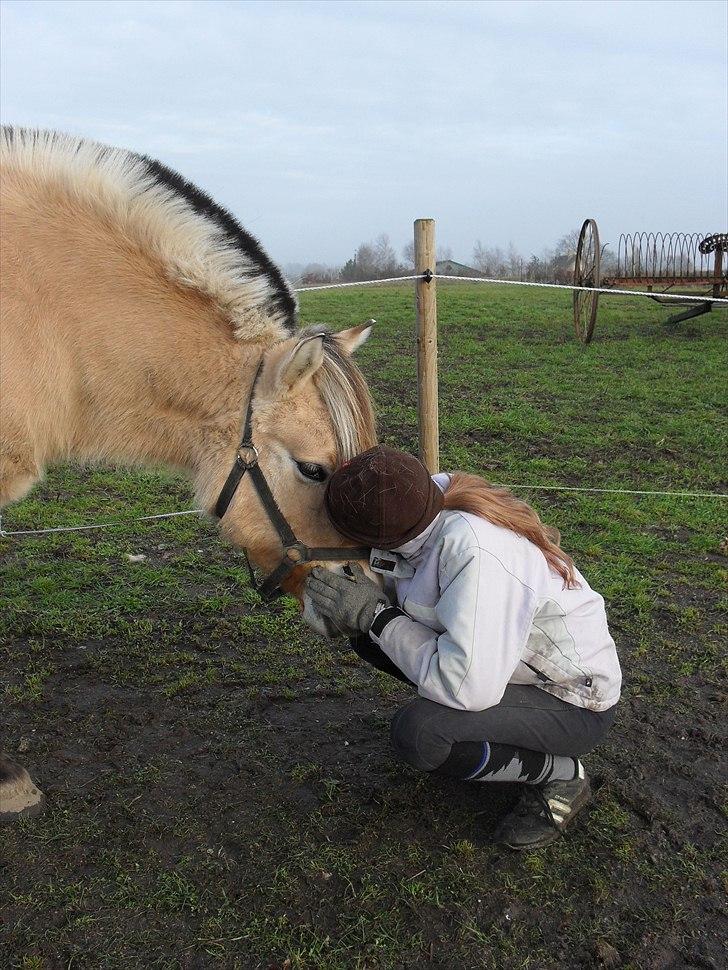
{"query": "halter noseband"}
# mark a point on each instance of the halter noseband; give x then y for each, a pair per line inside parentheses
(294, 552)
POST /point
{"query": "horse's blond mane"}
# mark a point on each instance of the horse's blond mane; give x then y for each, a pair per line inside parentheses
(197, 242)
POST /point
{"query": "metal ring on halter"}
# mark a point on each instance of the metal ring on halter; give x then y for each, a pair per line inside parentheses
(297, 553)
(248, 447)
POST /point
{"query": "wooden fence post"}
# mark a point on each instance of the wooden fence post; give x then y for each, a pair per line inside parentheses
(426, 304)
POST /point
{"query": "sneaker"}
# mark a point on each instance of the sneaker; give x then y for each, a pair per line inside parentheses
(543, 812)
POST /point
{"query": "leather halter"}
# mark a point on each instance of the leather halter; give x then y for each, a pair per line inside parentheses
(294, 552)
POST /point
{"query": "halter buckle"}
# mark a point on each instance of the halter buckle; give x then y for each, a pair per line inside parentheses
(248, 454)
(296, 553)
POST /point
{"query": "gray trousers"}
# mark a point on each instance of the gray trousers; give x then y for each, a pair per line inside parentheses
(423, 732)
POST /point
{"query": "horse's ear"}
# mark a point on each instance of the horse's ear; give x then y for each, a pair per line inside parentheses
(352, 339)
(301, 362)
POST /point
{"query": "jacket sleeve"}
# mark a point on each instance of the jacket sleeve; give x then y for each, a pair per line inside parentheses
(486, 614)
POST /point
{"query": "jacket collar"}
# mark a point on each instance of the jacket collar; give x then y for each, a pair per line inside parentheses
(409, 550)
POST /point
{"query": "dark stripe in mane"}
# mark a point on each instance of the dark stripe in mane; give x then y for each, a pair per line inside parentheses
(282, 302)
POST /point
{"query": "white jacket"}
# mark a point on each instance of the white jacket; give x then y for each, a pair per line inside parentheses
(481, 608)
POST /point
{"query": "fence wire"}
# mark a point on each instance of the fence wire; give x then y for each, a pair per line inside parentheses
(395, 388)
(610, 290)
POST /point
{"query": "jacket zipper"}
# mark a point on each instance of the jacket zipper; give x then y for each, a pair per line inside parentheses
(538, 673)
(547, 680)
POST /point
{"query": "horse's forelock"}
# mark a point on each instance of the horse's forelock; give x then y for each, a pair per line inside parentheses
(345, 396)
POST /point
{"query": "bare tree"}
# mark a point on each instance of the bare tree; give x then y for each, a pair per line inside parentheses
(385, 258)
(566, 246)
(314, 273)
(366, 261)
(372, 260)
(490, 260)
(514, 262)
(480, 257)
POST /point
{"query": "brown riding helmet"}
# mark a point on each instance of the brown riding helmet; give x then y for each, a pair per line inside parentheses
(382, 498)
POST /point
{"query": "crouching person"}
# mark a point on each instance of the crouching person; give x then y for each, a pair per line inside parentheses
(488, 618)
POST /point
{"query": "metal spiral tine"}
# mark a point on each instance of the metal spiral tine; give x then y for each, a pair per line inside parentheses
(634, 255)
(704, 256)
(699, 257)
(660, 261)
(672, 246)
(686, 250)
(667, 255)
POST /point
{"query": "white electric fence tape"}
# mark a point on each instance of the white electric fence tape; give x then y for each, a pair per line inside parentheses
(685, 297)
(439, 276)
(169, 515)
(96, 525)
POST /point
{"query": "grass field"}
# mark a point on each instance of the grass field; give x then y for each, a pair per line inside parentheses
(221, 790)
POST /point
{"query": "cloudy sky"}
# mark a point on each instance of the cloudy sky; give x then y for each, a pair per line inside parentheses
(321, 124)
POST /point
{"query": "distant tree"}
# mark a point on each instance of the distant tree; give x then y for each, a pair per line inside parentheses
(372, 261)
(314, 273)
(443, 253)
(366, 262)
(514, 262)
(481, 259)
(490, 260)
(566, 246)
(608, 261)
(385, 258)
(293, 272)
(479, 255)
(533, 269)
(553, 265)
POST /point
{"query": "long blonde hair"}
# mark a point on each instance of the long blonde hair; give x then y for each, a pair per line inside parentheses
(471, 493)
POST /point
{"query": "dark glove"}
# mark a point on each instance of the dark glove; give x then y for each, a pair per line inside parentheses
(349, 602)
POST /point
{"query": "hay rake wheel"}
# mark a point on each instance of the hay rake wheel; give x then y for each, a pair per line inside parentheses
(587, 272)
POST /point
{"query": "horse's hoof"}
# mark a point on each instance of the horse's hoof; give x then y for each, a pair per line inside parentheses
(19, 797)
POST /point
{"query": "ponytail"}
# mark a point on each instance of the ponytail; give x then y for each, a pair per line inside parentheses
(470, 493)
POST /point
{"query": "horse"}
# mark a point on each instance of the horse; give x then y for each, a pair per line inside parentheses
(140, 323)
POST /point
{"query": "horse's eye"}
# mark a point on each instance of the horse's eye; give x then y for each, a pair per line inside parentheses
(312, 471)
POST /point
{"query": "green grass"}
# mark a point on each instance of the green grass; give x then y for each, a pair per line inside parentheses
(221, 791)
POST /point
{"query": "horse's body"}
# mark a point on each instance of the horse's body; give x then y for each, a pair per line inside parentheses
(135, 315)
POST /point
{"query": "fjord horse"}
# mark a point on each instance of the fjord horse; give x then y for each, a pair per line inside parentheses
(137, 317)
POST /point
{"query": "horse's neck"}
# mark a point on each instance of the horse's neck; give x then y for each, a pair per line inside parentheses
(164, 381)
(175, 389)
(123, 364)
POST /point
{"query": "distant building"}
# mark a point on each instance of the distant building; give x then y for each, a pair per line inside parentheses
(448, 267)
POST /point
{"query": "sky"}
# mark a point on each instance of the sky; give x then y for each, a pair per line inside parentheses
(323, 124)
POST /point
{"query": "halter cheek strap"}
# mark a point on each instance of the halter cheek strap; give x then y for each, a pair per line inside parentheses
(294, 552)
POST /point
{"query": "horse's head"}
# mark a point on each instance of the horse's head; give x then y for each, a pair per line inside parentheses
(311, 412)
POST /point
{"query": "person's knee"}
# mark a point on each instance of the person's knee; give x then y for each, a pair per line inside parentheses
(415, 739)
